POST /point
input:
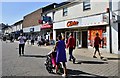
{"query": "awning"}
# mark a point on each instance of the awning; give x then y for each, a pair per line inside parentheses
(46, 26)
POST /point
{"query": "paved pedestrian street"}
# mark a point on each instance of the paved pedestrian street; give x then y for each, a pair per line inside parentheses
(32, 63)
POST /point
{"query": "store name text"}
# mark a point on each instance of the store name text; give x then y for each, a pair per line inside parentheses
(71, 23)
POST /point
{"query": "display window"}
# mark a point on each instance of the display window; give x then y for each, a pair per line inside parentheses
(92, 35)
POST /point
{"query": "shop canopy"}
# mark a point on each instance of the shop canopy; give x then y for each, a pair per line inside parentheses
(46, 26)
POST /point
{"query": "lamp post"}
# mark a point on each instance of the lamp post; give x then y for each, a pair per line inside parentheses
(110, 30)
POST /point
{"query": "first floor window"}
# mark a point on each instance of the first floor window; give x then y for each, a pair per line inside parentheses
(86, 5)
(65, 11)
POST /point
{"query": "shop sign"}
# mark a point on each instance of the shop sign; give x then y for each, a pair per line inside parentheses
(71, 23)
(47, 19)
(31, 29)
(105, 18)
(46, 26)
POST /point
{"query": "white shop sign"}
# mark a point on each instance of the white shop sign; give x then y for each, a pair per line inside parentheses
(36, 28)
(82, 22)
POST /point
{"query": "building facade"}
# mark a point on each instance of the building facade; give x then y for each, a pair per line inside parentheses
(17, 29)
(115, 25)
(85, 20)
(32, 23)
(47, 19)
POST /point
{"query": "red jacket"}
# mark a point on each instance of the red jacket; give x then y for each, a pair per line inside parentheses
(97, 41)
(71, 42)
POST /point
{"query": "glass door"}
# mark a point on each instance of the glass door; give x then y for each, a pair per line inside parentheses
(78, 39)
(66, 36)
(84, 39)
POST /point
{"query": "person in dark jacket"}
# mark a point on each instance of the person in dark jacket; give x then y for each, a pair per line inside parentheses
(11, 38)
(71, 46)
(97, 41)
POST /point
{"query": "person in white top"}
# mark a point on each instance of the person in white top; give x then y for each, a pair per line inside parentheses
(21, 39)
(39, 40)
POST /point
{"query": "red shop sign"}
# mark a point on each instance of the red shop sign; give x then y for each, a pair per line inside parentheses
(71, 23)
(46, 26)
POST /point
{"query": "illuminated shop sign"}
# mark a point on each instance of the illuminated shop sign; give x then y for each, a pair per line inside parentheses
(71, 23)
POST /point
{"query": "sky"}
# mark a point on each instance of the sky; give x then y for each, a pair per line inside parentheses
(11, 12)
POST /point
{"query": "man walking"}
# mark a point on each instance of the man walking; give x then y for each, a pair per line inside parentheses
(71, 45)
(97, 41)
(21, 39)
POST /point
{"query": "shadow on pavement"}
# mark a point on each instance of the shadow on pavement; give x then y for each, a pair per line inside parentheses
(50, 77)
(113, 58)
(81, 74)
(37, 56)
(78, 74)
(91, 62)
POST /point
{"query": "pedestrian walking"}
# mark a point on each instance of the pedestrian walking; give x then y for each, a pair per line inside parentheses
(97, 42)
(61, 54)
(32, 40)
(71, 46)
(11, 38)
(4, 38)
(21, 39)
(39, 40)
(28, 39)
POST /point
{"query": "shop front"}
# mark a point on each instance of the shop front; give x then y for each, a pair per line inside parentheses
(101, 30)
(84, 30)
(32, 31)
(47, 31)
(69, 26)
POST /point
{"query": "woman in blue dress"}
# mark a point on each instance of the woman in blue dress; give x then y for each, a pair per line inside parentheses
(61, 54)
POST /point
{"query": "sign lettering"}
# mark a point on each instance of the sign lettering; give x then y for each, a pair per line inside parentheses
(71, 23)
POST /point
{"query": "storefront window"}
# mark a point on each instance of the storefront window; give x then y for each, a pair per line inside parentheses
(92, 35)
(78, 40)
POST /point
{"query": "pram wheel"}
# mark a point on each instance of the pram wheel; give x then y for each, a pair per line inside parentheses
(48, 65)
(50, 71)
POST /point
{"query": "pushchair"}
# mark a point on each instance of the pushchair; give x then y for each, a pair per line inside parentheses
(50, 62)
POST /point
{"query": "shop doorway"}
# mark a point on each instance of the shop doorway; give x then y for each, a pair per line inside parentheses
(67, 35)
(78, 39)
(118, 36)
(84, 39)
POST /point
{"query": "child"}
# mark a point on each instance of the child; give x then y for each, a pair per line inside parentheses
(53, 58)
